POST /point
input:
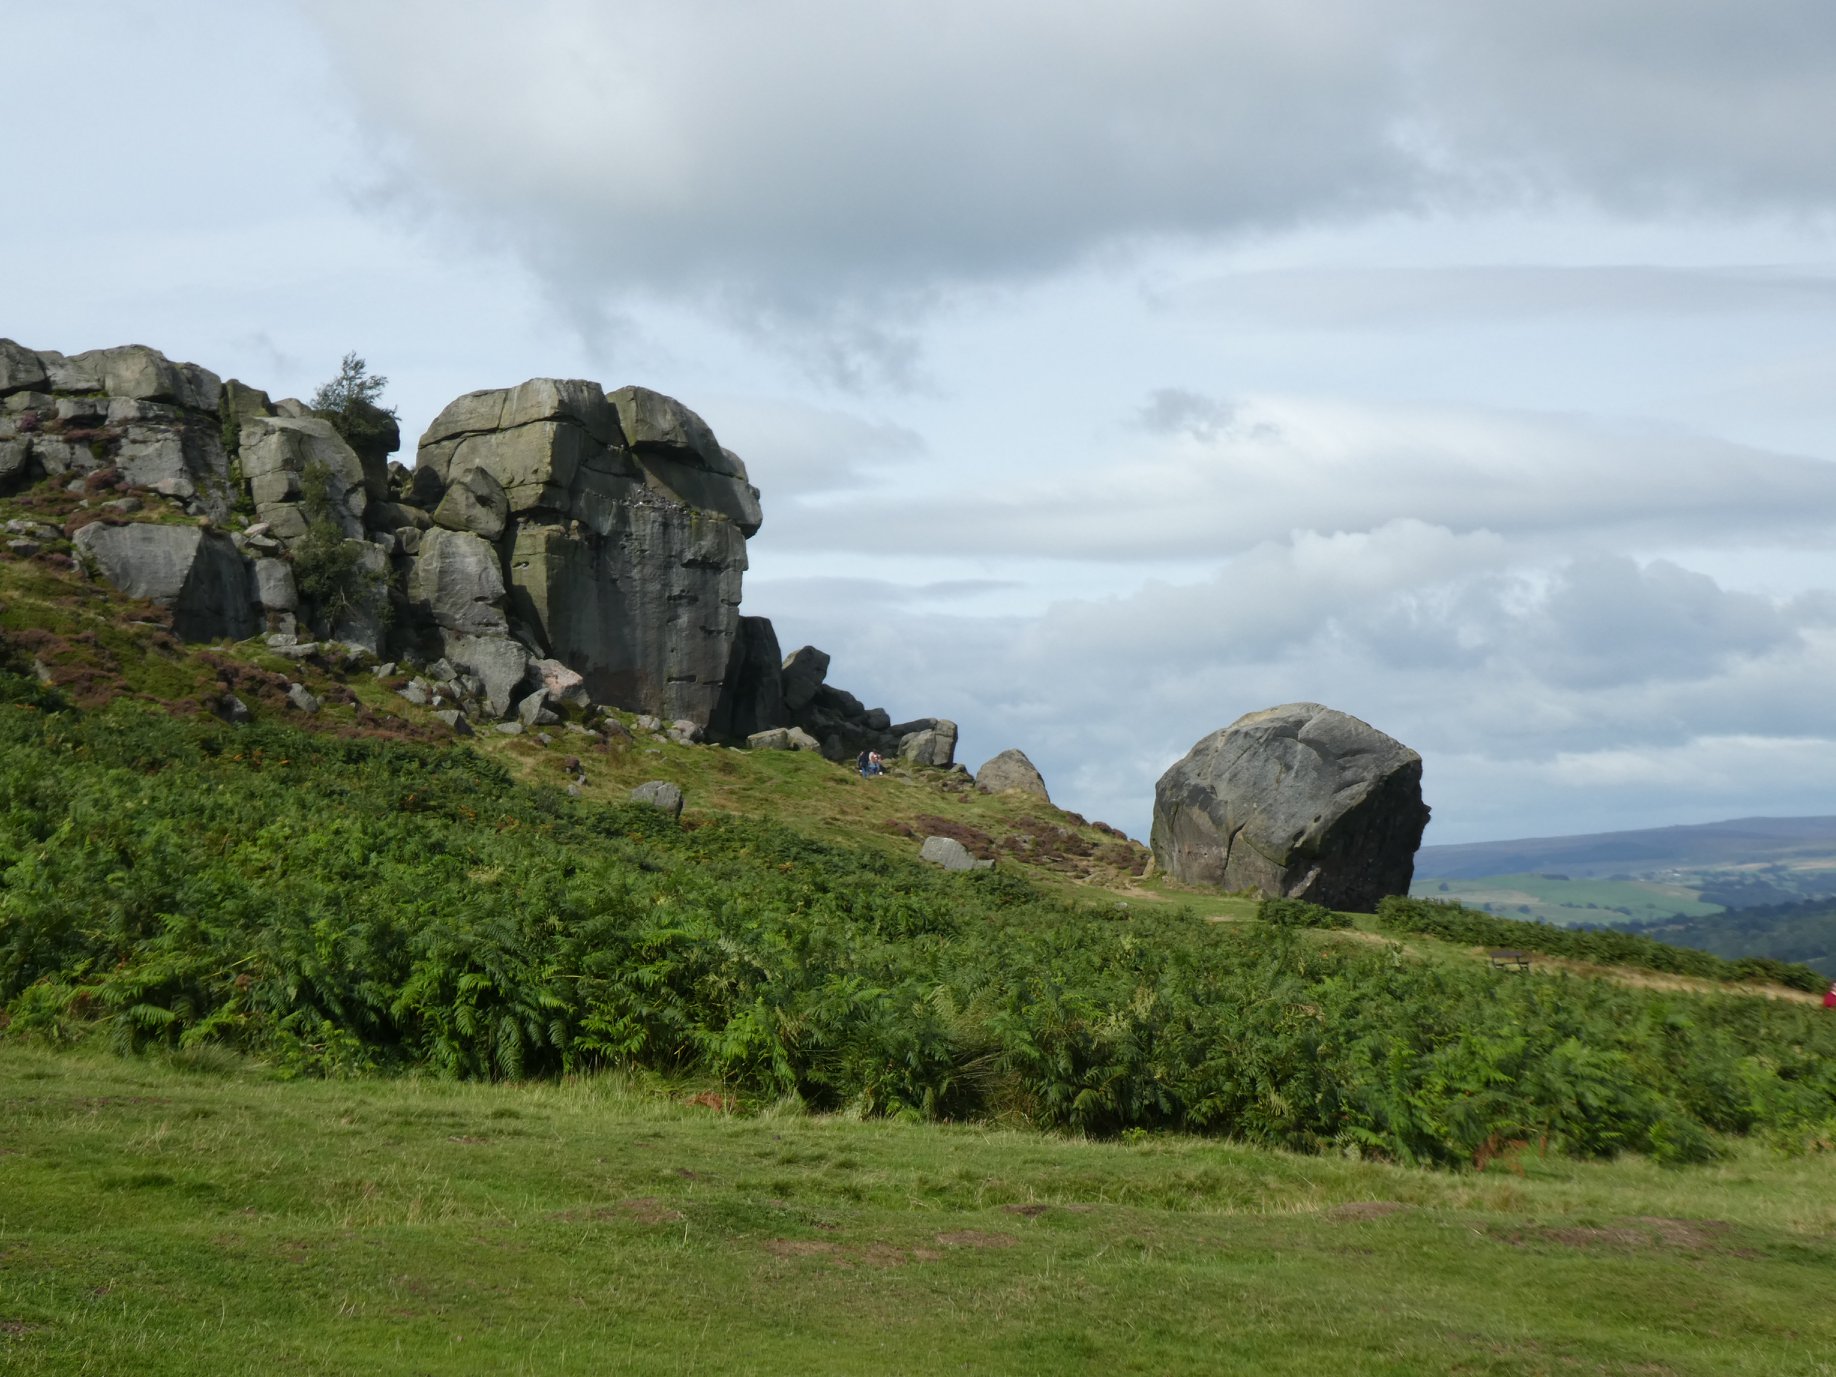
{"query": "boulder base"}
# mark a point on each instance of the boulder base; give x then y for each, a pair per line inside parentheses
(1298, 801)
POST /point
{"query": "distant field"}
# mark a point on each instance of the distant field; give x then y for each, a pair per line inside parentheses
(1554, 899)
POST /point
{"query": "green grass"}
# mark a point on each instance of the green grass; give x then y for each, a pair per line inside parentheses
(202, 1219)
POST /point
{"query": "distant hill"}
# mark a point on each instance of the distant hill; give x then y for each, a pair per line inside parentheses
(1785, 932)
(1801, 846)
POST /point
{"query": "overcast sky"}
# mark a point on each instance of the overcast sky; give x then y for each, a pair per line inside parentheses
(1108, 371)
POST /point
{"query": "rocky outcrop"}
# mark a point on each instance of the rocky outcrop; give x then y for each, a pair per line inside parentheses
(1297, 801)
(839, 720)
(1011, 772)
(556, 545)
(130, 409)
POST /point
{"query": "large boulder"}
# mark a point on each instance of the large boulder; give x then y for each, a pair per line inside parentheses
(1011, 772)
(801, 675)
(1298, 801)
(199, 574)
(930, 745)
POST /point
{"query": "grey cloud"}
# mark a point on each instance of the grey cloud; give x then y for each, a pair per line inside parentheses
(798, 160)
(1176, 411)
(1380, 298)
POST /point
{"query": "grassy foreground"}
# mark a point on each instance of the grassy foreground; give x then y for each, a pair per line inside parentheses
(189, 1215)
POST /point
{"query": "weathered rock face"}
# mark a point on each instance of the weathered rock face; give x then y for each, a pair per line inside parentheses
(277, 453)
(622, 560)
(198, 574)
(1011, 772)
(752, 696)
(1297, 801)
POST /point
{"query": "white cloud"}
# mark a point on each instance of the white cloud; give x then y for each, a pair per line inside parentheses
(1329, 466)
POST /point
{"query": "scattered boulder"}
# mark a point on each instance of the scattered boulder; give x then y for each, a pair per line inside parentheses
(1012, 772)
(561, 684)
(1298, 801)
(659, 793)
(302, 698)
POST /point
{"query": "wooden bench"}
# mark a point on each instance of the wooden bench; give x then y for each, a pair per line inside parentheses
(1510, 960)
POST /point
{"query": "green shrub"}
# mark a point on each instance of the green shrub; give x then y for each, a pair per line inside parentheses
(328, 569)
(1298, 913)
(1454, 923)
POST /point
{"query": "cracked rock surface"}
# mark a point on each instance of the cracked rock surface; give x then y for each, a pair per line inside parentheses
(1298, 801)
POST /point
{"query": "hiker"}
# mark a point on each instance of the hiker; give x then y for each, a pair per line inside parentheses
(1829, 999)
(870, 764)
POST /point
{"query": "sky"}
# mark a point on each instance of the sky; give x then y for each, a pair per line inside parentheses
(1107, 371)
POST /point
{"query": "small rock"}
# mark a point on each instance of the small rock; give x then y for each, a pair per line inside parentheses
(456, 720)
(25, 549)
(659, 793)
(530, 708)
(511, 728)
(232, 709)
(301, 697)
(124, 505)
(947, 852)
(415, 693)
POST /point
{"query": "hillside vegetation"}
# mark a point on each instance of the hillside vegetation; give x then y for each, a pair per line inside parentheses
(355, 892)
(344, 905)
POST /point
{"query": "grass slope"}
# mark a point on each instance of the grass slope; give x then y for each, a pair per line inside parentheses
(193, 1217)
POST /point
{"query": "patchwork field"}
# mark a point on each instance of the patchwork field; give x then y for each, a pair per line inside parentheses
(1559, 899)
